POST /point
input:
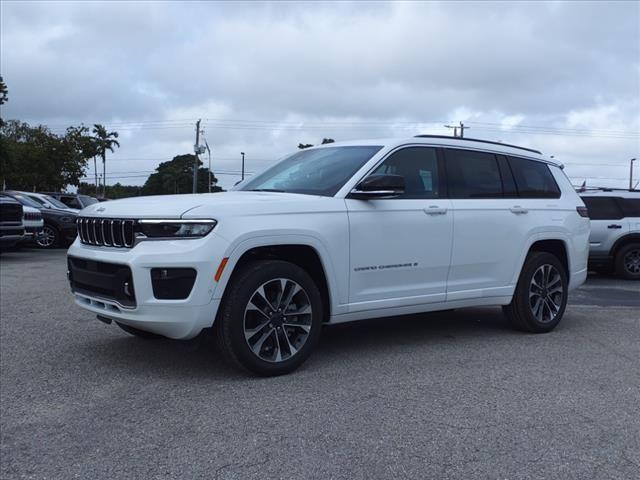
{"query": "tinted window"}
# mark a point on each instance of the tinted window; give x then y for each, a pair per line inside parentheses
(602, 208)
(70, 201)
(473, 174)
(321, 171)
(508, 183)
(86, 200)
(419, 167)
(533, 179)
(630, 206)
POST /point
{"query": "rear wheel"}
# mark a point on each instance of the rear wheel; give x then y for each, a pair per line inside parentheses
(49, 237)
(628, 261)
(270, 319)
(540, 297)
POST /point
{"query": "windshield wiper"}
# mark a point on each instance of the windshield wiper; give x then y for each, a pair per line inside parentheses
(265, 190)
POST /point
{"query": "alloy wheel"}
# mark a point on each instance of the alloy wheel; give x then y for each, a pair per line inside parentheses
(546, 293)
(46, 238)
(277, 320)
(631, 261)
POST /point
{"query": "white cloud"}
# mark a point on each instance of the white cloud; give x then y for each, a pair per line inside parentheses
(298, 72)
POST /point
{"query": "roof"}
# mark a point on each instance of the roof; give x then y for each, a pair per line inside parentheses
(444, 141)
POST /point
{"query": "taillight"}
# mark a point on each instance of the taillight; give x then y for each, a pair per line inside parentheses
(583, 212)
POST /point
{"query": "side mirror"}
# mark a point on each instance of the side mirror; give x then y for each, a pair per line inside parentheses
(379, 186)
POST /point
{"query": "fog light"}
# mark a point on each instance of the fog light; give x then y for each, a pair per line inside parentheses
(172, 283)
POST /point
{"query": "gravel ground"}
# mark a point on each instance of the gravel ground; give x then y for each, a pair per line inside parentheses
(450, 395)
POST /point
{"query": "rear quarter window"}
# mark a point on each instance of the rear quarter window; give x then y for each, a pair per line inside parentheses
(533, 179)
(602, 208)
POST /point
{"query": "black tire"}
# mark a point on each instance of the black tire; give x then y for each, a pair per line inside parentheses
(49, 238)
(138, 333)
(520, 311)
(627, 261)
(230, 322)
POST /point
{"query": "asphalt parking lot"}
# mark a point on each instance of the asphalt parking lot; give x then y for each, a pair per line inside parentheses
(450, 395)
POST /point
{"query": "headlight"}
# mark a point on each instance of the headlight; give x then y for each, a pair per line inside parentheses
(152, 228)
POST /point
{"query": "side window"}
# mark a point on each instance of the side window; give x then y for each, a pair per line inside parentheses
(630, 206)
(602, 208)
(419, 167)
(70, 201)
(472, 174)
(533, 179)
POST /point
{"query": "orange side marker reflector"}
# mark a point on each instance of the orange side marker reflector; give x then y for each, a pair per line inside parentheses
(223, 264)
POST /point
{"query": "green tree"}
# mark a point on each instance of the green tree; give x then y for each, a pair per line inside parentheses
(104, 141)
(4, 92)
(302, 146)
(176, 176)
(33, 158)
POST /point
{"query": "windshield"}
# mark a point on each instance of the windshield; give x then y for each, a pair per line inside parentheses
(24, 200)
(86, 200)
(321, 171)
(55, 202)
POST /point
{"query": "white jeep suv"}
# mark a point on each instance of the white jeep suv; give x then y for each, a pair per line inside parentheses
(337, 233)
(615, 230)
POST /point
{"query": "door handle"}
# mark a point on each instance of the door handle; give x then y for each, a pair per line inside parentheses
(435, 210)
(518, 210)
(614, 226)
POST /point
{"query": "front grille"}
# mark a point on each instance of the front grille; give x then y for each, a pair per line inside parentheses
(107, 232)
(10, 212)
(109, 281)
(32, 216)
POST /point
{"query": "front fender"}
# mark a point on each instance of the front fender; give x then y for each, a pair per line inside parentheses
(336, 279)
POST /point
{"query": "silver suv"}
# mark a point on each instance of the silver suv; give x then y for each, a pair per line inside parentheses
(615, 230)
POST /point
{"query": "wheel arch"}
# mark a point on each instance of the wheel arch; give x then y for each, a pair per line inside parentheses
(306, 254)
(556, 247)
(624, 241)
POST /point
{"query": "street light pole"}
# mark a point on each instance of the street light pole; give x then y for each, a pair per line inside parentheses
(631, 173)
(242, 153)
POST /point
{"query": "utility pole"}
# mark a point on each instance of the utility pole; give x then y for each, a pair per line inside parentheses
(631, 173)
(455, 129)
(206, 144)
(196, 149)
(242, 153)
(462, 128)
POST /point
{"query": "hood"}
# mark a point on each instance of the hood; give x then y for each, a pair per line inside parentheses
(202, 205)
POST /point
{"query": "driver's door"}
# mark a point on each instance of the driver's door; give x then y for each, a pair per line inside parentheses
(400, 247)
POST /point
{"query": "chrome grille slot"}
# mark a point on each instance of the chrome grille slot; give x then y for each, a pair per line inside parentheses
(107, 232)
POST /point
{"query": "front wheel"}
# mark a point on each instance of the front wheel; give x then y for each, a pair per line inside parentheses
(628, 261)
(540, 297)
(270, 319)
(48, 238)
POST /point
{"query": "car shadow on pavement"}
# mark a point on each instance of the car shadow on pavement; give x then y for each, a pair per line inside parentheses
(199, 358)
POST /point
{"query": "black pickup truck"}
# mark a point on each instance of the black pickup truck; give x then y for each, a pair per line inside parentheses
(11, 226)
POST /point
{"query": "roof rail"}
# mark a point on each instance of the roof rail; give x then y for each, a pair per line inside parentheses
(478, 140)
(605, 189)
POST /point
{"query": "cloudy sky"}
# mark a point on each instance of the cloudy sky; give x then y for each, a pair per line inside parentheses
(563, 77)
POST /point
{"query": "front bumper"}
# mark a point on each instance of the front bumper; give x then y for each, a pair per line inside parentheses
(178, 319)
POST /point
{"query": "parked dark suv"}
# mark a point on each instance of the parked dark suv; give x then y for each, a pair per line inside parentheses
(11, 226)
(59, 225)
(73, 200)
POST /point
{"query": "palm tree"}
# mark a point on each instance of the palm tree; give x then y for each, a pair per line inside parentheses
(104, 141)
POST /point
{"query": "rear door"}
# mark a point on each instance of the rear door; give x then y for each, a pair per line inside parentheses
(607, 223)
(490, 226)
